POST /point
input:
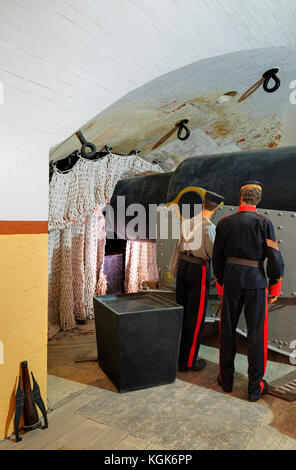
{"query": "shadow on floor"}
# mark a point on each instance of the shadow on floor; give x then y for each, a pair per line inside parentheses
(284, 413)
(67, 347)
(242, 348)
(207, 378)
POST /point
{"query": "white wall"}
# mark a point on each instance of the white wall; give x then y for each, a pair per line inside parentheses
(63, 61)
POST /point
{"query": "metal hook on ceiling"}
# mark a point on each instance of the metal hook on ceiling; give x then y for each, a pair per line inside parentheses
(108, 149)
(179, 126)
(268, 75)
(85, 146)
(264, 80)
(182, 127)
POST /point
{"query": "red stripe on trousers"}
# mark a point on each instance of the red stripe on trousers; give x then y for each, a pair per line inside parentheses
(265, 331)
(220, 376)
(200, 314)
(265, 338)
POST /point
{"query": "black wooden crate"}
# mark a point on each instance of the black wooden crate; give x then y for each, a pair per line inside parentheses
(138, 338)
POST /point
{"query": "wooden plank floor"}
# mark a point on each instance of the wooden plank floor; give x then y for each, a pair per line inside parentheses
(70, 431)
(193, 413)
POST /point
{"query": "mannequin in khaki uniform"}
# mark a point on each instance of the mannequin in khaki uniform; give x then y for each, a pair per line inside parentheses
(191, 261)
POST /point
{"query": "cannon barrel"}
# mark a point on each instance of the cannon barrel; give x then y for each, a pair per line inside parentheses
(225, 173)
(144, 190)
(221, 173)
(150, 189)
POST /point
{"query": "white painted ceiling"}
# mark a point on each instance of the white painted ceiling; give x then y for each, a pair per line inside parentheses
(197, 92)
(63, 62)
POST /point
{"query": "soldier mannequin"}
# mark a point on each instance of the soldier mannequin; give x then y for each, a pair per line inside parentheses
(193, 280)
(243, 241)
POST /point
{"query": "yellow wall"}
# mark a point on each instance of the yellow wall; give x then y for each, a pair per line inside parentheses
(23, 316)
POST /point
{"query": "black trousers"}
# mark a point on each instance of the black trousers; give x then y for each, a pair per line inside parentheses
(254, 302)
(192, 289)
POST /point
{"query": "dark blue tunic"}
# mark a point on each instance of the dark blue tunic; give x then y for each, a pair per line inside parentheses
(247, 235)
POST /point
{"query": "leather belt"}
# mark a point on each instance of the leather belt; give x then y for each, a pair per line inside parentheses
(193, 259)
(245, 262)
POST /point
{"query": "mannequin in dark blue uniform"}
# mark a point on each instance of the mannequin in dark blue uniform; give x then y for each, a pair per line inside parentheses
(243, 241)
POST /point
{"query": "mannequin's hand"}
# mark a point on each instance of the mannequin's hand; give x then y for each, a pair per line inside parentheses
(272, 300)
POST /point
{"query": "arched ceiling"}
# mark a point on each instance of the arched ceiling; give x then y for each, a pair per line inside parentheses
(65, 61)
(197, 92)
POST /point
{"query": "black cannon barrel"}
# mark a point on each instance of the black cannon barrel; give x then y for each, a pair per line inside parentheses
(144, 190)
(225, 173)
(150, 189)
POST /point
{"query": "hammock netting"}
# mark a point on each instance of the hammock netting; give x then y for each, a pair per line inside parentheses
(77, 238)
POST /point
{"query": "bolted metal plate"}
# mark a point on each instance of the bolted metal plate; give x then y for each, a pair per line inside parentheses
(285, 229)
(282, 315)
(281, 326)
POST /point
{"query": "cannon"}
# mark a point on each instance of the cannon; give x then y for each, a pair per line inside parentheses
(224, 174)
